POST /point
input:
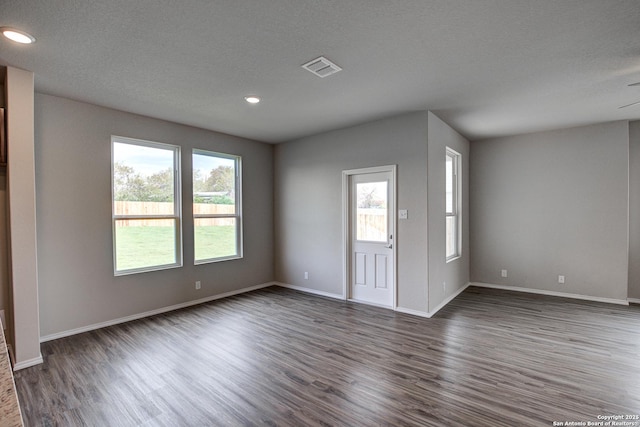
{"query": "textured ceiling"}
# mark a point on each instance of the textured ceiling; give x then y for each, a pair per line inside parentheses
(487, 67)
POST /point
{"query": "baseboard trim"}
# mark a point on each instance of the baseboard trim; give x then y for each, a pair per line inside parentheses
(634, 300)
(448, 300)
(151, 313)
(310, 291)
(28, 363)
(551, 293)
(398, 309)
(413, 312)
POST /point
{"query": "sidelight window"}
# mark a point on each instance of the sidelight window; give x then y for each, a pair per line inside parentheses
(452, 204)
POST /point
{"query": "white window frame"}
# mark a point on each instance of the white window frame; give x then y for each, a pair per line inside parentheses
(177, 206)
(456, 211)
(238, 207)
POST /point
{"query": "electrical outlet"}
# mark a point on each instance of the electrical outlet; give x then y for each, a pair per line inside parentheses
(560, 279)
(306, 275)
(504, 273)
(198, 284)
(444, 286)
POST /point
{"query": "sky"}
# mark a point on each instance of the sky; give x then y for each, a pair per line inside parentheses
(145, 160)
(148, 160)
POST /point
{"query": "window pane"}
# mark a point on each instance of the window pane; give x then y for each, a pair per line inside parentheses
(143, 180)
(213, 209)
(127, 207)
(214, 183)
(451, 238)
(449, 184)
(145, 243)
(215, 238)
(216, 192)
(372, 211)
(145, 184)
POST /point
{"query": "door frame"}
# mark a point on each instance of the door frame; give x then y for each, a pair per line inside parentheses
(346, 228)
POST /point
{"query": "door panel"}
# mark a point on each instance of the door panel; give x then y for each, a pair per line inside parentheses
(360, 267)
(381, 271)
(371, 210)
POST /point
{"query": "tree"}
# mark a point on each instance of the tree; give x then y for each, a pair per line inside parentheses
(131, 186)
(127, 184)
(368, 197)
(159, 186)
(199, 182)
(221, 179)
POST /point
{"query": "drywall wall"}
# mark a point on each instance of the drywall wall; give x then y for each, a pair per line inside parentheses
(445, 278)
(4, 257)
(4, 273)
(308, 204)
(634, 210)
(552, 203)
(75, 261)
(21, 192)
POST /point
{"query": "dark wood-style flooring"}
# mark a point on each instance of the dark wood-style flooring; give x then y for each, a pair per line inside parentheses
(280, 357)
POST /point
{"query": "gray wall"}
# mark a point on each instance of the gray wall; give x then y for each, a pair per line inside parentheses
(568, 219)
(309, 204)
(4, 273)
(4, 255)
(634, 210)
(552, 203)
(73, 155)
(454, 274)
(21, 215)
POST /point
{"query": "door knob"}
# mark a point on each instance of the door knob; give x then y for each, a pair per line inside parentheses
(389, 246)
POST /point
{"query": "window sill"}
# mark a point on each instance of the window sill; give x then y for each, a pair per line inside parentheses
(146, 269)
(212, 260)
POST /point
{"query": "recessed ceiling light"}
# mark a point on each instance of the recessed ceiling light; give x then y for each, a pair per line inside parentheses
(251, 99)
(17, 35)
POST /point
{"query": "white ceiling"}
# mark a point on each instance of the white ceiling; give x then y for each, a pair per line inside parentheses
(487, 67)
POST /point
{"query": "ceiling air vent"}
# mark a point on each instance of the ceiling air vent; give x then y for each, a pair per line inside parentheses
(321, 67)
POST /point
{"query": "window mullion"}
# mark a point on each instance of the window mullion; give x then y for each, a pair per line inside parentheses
(215, 216)
(143, 217)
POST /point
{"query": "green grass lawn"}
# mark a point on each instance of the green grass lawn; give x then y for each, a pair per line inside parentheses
(215, 241)
(139, 247)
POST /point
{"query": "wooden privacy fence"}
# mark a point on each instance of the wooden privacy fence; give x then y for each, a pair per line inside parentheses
(166, 208)
(372, 224)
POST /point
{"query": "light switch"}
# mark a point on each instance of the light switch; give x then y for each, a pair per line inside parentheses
(403, 214)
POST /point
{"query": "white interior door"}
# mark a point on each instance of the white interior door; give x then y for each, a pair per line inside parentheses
(371, 238)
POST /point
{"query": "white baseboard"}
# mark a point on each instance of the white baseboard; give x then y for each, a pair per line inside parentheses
(448, 300)
(398, 309)
(551, 293)
(151, 313)
(310, 291)
(413, 312)
(28, 363)
(634, 300)
(430, 314)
